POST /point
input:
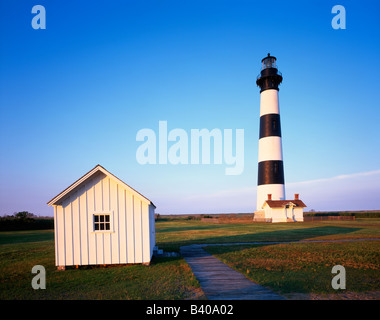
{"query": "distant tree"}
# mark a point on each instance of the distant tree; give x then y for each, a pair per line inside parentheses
(23, 215)
(25, 220)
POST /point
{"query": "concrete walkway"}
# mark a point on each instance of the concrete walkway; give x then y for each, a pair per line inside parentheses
(220, 282)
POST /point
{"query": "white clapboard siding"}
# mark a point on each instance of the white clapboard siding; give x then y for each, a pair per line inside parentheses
(132, 235)
(152, 229)
(130, 230)
(145, 223)
(67, 214)
(90, 222)
(55, 235)
(137, 227)
(82, 198)
(76, 230)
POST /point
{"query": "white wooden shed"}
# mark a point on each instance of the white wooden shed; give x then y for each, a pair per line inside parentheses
(99, 219)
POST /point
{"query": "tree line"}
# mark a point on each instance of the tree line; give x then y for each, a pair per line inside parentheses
(25, 220)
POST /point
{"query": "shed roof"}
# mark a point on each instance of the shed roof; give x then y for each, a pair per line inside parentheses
(87, 176)
(283, 203)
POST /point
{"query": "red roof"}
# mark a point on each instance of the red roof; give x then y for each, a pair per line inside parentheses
(283, 203)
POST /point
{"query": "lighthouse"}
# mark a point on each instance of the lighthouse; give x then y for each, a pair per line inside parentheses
(271, 203)
(270, 182)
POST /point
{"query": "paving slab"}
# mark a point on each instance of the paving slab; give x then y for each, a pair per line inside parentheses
(220, 282)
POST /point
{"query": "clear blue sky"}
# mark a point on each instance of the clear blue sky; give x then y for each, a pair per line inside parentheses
(75, 95)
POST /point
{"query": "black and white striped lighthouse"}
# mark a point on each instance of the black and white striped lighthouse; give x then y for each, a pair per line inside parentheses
(271, 168)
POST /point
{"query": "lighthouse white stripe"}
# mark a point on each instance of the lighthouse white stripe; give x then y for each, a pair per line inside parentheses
(269, 102)
(270, 148)
(276, 190)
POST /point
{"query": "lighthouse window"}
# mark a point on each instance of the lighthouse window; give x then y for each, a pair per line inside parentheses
(275, 167)
(274, 125)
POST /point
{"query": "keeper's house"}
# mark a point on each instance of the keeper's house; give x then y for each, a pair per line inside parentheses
(281, 210)
(99, 219)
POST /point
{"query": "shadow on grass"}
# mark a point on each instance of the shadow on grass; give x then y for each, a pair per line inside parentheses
(193, 228)
(269, 236)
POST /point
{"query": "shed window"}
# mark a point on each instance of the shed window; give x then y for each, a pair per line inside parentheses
(102, 222)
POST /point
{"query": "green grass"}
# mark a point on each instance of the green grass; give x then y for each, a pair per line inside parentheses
(310, 270)
(26, 236)
(305, 267)
(171, 235)
(171, 278)
(165, 278)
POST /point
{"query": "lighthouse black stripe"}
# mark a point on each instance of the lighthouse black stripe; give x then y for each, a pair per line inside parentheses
(270, 125)
(271, 172)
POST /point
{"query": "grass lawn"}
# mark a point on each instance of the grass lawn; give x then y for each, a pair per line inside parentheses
(165, 278)
(306, 267)
(170, 235)
(284, 267)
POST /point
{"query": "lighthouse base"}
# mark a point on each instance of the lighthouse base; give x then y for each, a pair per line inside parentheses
(259, 216)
